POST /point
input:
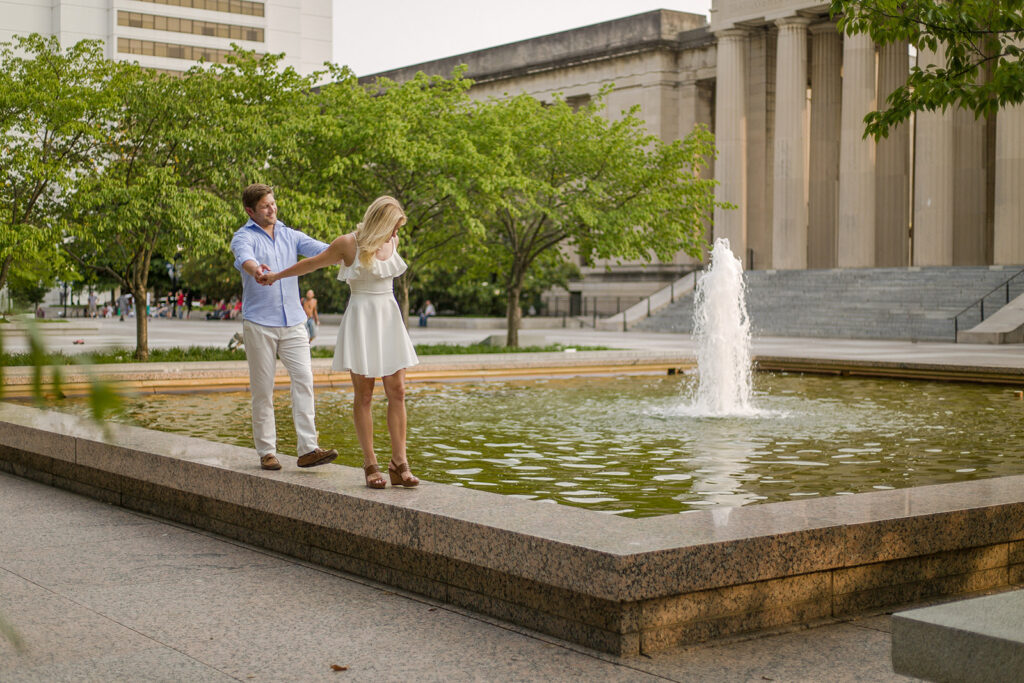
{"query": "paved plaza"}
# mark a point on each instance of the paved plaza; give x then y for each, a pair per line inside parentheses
(97, 592)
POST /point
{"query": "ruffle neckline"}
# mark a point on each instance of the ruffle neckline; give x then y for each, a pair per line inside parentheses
(392, 266)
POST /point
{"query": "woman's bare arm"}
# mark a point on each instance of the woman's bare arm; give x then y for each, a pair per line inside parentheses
(336, 252)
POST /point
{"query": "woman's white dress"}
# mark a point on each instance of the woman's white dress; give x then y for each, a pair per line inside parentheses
(372, 338)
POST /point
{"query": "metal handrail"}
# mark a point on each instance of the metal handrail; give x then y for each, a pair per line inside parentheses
(981, 302)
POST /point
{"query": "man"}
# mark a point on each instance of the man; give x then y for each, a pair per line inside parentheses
(122, 305)
(426, 312)
(312, 317)
(274, 325)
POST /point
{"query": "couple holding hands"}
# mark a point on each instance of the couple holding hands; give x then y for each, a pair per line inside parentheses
(372, 338)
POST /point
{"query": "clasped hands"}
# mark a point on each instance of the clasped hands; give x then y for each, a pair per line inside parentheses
(264, 275)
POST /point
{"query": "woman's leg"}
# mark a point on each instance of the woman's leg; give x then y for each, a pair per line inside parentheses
(394, 389)
(363, 417)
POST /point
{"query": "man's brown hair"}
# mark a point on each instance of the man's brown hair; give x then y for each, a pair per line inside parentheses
(254, 193)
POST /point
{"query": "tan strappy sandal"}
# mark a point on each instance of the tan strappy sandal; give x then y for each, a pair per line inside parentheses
(377, 482)
(397, 473)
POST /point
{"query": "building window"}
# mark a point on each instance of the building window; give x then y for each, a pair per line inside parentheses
(577, 102)
(193, 26)
(246, 7)
(172, 50)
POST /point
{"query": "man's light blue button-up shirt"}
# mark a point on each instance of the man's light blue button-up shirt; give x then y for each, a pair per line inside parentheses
(278, 305)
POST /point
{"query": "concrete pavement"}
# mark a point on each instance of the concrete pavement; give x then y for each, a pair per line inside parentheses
(99, 593)
(164, 333)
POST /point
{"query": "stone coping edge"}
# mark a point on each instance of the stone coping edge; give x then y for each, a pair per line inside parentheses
(614, 584)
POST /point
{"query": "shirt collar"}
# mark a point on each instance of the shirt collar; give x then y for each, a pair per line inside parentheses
(252, 224)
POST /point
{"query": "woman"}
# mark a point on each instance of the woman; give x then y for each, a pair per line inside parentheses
(372, 339)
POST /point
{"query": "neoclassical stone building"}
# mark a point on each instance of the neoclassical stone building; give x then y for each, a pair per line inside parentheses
(785, 94)
(791, 95)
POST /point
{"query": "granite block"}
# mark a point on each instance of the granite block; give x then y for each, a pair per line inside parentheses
(74, 485)
(1015, 574)
(917, 569)
(566, 629)
(616, 616)
(40, 431)
(27, 460)
(732, 600)
(22, 470)
(574, 568)
(918, 591)
(926, 534)
(1016, 552)
(90, 476)
(666, 637)
(700, 567)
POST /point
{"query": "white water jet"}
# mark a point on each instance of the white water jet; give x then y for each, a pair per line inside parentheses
(721, 329)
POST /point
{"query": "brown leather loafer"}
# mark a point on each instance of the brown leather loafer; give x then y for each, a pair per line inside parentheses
(269, 462)
(317, 456)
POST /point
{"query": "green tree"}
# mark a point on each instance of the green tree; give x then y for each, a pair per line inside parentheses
(53, 104)
(407, 140)
(174, 160)
(575, 180)
(982, 43)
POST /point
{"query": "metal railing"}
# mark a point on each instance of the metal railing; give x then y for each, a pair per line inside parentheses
(980, 303)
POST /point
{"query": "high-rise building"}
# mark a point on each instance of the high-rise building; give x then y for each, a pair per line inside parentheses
(172, 35)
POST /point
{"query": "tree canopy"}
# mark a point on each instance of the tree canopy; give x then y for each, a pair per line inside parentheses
(111, 166)
(574, 182)
(979, 43)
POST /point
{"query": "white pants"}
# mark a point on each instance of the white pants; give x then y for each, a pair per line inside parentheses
(291, 345)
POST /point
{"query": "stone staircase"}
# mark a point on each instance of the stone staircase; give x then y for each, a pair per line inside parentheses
(861, 303)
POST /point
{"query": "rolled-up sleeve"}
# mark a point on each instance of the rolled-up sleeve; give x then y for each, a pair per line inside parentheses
(241, 247)
(307, 246)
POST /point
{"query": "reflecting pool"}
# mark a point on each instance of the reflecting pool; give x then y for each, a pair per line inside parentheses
(631, 446)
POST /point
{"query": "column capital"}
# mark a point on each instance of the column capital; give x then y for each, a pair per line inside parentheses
(795, 21)
(732, 34)
(820, 27)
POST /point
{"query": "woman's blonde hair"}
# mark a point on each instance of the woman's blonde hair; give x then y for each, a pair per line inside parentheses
(378, 224)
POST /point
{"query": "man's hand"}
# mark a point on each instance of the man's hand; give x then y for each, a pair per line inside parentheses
(262, 271)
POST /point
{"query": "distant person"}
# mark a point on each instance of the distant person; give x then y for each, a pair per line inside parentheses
(179, 302)
(312, 317)
(372, 339)
(274, 325)
(122, 306)
(188, 304)
(92, 304)
(425, 312)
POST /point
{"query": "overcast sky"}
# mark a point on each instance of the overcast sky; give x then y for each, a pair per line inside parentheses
(377, 35)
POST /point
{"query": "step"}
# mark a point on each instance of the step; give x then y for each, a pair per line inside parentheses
(979, 639)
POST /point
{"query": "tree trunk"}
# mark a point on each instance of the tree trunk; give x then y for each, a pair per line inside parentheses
(513, 316)
(4, 270)
(402, 294)
(141, 322)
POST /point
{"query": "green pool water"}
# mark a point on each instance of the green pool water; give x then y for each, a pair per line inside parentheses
(626, 445)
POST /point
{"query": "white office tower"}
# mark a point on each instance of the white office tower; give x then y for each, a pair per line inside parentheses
(172, 35)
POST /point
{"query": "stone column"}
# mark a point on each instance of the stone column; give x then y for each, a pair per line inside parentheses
(933, 181)
(972, 237)
(731, 139)
(789, 204)
(892, 179)
(1008, 240)
(826, 98)
(855, 240)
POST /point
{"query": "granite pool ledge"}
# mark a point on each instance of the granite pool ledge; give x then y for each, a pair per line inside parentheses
(234, 375)
(619, 585)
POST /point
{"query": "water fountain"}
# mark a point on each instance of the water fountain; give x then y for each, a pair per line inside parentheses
(721, 329)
